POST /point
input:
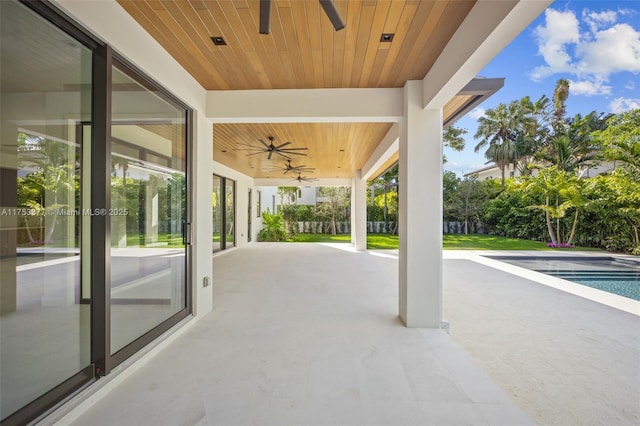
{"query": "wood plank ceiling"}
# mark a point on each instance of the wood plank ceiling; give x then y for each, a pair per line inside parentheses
(302, 51)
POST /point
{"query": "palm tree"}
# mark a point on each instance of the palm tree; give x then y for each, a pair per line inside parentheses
(509, 131)
(502, 155)
(572, 146)
(496, 129)
(560, 95)
(561, 192)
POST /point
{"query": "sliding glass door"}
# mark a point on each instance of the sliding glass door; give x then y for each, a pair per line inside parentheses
(217, 203)
(46, 95)
(223, 201)
(94, 209)
(148, 209)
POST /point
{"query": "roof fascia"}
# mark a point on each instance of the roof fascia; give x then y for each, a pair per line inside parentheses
(489, 27)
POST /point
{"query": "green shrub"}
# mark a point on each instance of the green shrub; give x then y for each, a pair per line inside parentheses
(272, 228)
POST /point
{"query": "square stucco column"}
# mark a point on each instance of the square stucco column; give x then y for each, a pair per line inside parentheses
(202, 222)
(359, 212)
(420, 212)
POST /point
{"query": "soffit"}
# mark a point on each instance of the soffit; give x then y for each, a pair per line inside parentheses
(335, 150)
(303, 50)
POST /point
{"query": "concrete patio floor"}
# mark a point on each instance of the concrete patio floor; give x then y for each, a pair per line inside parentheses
(564, 359)
(309, 334)
(304, 334)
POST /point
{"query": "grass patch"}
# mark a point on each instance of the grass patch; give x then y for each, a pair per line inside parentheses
(488, 242)
(493, 242)
(449, 242)
(374, 241)
(164, 241)
(382, 241)
(320, 238)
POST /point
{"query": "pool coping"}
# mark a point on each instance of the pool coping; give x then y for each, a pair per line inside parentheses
(487, 258)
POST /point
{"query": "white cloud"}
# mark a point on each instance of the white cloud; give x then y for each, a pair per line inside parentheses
(619, 105)
(612, 50)
(589, 88)
(630, 85)
(592, 53)
(476, 113)
(597, 20)
(560, 29)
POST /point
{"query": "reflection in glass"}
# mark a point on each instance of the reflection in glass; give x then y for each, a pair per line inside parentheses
(230, 187)
(45, 329)
(217, 202)
(148, 201)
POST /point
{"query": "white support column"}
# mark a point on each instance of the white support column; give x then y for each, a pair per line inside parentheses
(420, 212)
(202, 226)
(359, 212)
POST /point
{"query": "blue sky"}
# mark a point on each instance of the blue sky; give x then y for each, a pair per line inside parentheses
(593, 44)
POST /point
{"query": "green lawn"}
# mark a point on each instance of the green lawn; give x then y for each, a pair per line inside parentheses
(320, 238)
(450, 242)
(489, 242)
(164, 241)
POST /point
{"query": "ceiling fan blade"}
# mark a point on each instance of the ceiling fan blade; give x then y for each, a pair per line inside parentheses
(256, 153)
(270, 154)
(332, 14)
(292, 149)
(289, 153)
(265, 17)
(264, 143)
(283, 154)
(284, 144)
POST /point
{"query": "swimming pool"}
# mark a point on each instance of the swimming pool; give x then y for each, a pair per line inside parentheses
(613, 275)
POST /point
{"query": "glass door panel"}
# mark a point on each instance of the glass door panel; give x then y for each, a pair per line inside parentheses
(230, 197)
(217, 203)
(148, 202)
(45, 94)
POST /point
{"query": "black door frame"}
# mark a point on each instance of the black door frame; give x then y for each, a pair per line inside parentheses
(102, 361)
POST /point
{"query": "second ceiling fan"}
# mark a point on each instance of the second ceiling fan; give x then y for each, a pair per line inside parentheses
(327, 5)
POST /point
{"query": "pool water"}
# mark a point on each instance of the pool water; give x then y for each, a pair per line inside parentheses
(617, 276)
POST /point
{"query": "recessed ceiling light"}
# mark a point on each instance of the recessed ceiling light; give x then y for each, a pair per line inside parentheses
(342, 150)
(224, 150)
(386, 37)
(339, 167)
(218, 41)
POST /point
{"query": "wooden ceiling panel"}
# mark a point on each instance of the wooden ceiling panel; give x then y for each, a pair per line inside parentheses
(334, 149)
(302, 50)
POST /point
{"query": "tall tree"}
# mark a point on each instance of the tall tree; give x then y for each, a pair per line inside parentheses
(388, 182)
(336, 205)
(508, 131)
(453, 138)
(495, 129)
(621, 140)
(560, 96)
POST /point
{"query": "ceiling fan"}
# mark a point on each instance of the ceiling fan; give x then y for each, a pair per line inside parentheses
(296, 169)
(301, 179)
(272, 149)
(327, 5)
